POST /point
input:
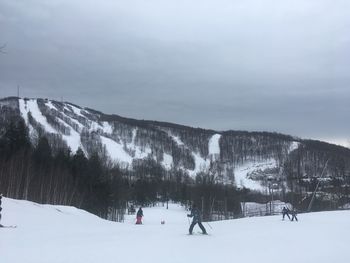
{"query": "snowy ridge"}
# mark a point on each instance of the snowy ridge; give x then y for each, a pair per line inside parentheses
(115, 150)
(56, 234)
(124, 142)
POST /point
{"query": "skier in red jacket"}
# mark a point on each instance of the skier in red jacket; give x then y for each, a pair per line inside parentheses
(139, 216)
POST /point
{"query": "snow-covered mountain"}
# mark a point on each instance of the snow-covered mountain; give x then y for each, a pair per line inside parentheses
(246, 159)
(56, 234)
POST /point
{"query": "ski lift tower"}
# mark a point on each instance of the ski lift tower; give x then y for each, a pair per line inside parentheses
(314, 193)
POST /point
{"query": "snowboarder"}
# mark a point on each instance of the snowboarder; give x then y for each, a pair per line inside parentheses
(294, 215)
(197, 219)
(285, 212)
(139, 216)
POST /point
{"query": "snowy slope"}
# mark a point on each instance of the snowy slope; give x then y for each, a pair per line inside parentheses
(56, 234)
(79, 118)
(214, 147)
(243, 171)
(202, 164)
(127, 143)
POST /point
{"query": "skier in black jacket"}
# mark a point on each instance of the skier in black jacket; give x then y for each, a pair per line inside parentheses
(197, 219)
(294, 214)
(285, 212)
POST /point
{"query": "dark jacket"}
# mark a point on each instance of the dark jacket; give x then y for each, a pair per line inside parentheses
(285, 210)
(139, 213)
(196, 214)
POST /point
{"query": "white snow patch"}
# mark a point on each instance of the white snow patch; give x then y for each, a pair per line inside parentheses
(244, 169)
(201, 164)
(107, 127)
(33, 108)
(176, 139)
(73, 140)
(167, 161)
(24, 110)
(134, 133)
(75, 110)
(139, 153)
(94, 126)
(116, 151)
(53, 107)
(214, 146)
(294, 146)
(81, 126)
(24, 113)
(50, 105)
(104, 128)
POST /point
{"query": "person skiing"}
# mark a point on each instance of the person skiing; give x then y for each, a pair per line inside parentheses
(294, 215)
(285, 212)
(139, 216)
(197, 219)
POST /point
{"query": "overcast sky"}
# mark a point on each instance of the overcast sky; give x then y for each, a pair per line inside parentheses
(223, 64)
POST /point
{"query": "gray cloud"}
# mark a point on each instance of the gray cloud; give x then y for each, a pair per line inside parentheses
(257, 65)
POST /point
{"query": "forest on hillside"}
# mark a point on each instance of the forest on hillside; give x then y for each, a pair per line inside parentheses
(43, 169)
(36, 173)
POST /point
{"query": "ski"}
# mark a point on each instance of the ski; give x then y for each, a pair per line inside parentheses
(198, 234)
(1, 226)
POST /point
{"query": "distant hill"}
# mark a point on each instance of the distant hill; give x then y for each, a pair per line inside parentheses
(260, 161)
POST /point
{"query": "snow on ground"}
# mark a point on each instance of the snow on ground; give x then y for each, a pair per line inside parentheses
(58, 234)
(241, 172)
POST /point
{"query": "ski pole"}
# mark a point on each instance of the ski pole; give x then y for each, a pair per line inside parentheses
(209, 225)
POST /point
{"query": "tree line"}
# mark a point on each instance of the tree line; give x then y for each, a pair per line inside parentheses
(41, 174)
